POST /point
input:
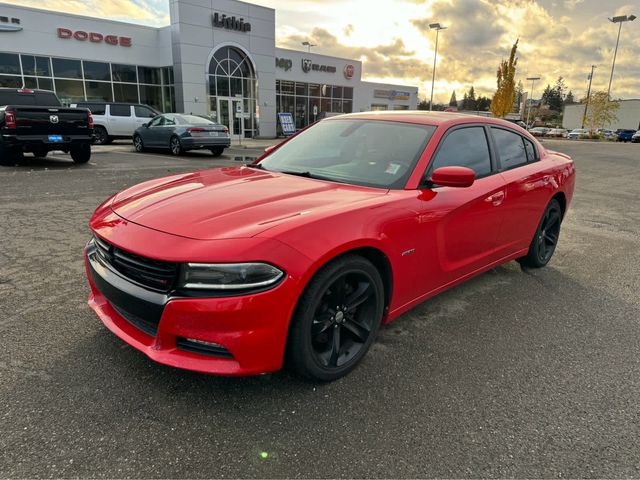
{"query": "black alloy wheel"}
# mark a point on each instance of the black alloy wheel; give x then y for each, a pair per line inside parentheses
(175, 146)
(337, 319)
(138, 144)
(546, 238)
(217, 151)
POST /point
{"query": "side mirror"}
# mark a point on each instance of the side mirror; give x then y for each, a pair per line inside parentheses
(269, 149)
(460, 177)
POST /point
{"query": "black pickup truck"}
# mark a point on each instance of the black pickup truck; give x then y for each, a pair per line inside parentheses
(34, 121)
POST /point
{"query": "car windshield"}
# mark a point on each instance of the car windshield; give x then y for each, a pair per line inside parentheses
(193, 120)
(371, 153)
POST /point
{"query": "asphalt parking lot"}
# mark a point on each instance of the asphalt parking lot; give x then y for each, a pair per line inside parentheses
(513, 374)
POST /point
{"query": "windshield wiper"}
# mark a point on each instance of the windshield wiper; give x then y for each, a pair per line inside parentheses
(306, 174)
(259, 166)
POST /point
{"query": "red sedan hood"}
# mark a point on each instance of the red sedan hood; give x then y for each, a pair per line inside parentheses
(234, 202)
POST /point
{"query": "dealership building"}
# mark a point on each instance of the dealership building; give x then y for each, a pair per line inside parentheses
(217, 58)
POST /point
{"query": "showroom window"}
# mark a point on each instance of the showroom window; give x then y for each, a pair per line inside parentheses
(300, 98)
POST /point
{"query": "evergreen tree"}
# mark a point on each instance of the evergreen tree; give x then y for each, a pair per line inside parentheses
(453, 102)
(519, 95)
(569, 99)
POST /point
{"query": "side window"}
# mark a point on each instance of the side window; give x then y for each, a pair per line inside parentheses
(143, 112)
(120, 110)
(96, 108)
(156, 122)
(510, 148)
(465, 147)
(170, 120)
(531, 151)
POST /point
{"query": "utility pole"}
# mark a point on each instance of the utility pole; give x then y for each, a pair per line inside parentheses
(533, 80)
(586, 105)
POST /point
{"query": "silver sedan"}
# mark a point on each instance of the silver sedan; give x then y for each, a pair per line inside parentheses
(180, 132)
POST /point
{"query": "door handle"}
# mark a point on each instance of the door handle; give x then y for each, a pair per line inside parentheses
(496, 199)
(545, 180)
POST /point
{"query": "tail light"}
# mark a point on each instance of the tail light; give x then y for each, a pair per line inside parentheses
(25, 90)
(10, 119)
(90, 120)
(195, 130)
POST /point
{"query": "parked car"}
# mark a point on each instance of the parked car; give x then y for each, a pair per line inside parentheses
(625, 135)
(577, 133)
(539, 131)
(342, 227)
(557, 133)
(34, 121)
(635, 138)
(606, 133)
(180, 133)
(117, 120)
(520, 123)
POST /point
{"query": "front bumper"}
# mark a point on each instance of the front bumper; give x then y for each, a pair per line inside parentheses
(252, 329)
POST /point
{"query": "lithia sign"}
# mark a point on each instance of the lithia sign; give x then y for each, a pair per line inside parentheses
(230, 23)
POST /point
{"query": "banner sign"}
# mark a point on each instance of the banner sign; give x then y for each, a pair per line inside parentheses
(287, 123)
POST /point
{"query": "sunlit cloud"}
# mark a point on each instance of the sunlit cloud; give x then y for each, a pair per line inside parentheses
(392, 38)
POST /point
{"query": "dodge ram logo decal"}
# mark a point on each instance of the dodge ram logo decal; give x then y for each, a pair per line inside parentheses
(54, 118)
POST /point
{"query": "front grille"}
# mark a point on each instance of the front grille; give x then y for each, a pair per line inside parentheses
(147, 326)
(144, 271)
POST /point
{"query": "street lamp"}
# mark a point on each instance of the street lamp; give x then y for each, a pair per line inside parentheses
(533, 80)
(437, 27)
(619, 19)
(309, 45)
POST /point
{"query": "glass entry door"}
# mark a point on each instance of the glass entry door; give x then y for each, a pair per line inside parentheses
(230, 114)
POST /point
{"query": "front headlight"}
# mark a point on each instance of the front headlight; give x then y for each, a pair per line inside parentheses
(229, 276)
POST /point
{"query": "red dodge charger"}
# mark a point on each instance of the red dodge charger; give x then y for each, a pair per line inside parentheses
(300, 257)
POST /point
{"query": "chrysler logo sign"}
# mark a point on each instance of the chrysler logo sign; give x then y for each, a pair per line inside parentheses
(54, 118)
(231, 23)
(8, 24)
(349, 71)
(308, 65)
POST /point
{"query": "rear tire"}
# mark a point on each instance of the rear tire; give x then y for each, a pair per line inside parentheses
(138, 144)
(217, 151)
(81, 153)
(336, 319)
(175, 146)
(546, 237)
(9, 156)
(101, 137)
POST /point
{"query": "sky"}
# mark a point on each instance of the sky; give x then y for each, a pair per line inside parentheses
(557, 38)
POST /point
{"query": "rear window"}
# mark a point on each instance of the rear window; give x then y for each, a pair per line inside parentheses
(120, 110)
(193, 120)
(14, 97)
(95, 108)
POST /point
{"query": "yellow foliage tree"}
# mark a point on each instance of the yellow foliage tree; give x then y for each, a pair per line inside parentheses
(502, 102)
(601, 111)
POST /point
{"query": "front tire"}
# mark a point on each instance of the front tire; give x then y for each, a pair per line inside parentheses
(175, 146)
(546, 238)
(138, 144)
(81, 153)
(336, 319)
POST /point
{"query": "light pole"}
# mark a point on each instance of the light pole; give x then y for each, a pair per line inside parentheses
(533, 80)
(586, 104)
(309, 45)
(619, 19)
(437, 27)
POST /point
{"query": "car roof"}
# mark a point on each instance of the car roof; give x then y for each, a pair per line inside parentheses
(424, 118)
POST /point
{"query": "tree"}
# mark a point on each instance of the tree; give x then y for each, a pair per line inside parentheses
(453, 102)
(601, 112)
(483, 104)
(569, 99)
(423, 105)
(469, 101)
(505, 95)
(519, 95)
(554, 96)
